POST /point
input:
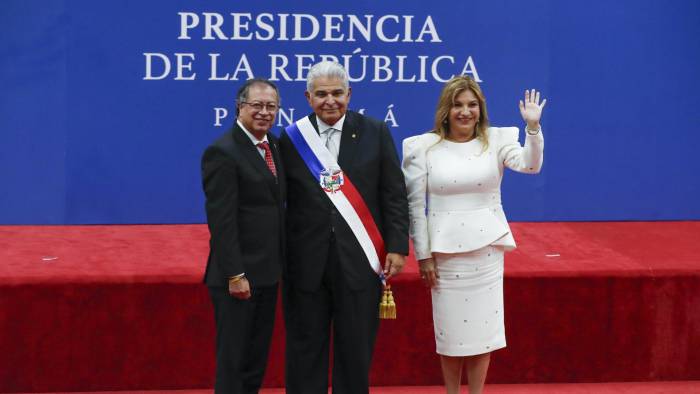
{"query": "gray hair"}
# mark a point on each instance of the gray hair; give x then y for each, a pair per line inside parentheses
(327, 69)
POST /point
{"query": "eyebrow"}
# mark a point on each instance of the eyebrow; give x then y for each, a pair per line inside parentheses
(329, 91)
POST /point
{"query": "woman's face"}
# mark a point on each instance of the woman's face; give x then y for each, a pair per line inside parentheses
(464, 114)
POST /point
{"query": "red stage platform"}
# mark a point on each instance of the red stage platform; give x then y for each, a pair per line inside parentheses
(87, 308)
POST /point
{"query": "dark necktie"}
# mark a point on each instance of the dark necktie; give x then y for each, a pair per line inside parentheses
(268, 157)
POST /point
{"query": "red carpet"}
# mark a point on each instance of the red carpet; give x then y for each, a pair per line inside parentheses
(687, 387)
(122, 308)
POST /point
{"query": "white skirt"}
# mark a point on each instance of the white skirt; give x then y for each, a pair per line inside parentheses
(468, 302)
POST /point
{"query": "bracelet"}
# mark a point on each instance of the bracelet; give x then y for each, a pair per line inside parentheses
(236, 278)
(528, 131)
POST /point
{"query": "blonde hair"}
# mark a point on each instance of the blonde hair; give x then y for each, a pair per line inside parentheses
(453, 88)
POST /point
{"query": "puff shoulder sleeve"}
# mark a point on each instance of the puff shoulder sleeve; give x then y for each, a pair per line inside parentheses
(416, 174)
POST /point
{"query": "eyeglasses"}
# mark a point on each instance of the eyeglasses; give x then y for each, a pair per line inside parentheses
(258, 106)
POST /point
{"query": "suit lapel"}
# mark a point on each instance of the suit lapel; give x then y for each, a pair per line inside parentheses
(314, 122)
(348, 142)
(278, 163)
(252, 155)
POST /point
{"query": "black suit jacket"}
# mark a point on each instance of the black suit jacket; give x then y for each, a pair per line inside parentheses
(245, 210)
(368, 157)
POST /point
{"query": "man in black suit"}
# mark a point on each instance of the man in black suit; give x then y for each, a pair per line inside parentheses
(329, 284)
(244, 183)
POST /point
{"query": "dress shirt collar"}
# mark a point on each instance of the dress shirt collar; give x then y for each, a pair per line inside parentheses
(254, 140)
(322, 126)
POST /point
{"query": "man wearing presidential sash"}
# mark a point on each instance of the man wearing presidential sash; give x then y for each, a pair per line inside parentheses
(347, 232)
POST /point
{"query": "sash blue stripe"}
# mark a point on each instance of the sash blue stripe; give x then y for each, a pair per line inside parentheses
(304, 150)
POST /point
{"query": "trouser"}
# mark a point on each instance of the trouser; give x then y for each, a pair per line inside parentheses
(311, 315)
(243, 332)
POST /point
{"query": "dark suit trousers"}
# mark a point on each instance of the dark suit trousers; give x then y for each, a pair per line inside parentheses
(243, 332)
(354, 316)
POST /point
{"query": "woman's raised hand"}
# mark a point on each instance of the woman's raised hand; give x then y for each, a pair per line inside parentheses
(531, 109)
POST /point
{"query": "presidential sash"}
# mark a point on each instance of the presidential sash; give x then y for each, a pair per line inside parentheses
(339, 189)
(346, 199)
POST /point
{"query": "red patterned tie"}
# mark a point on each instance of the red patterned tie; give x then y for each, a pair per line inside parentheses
(268, 157)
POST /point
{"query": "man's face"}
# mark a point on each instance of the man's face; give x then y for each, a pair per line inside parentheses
(329, 99)
(255, 113)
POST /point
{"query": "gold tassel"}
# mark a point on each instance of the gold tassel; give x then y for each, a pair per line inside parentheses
(387, 308)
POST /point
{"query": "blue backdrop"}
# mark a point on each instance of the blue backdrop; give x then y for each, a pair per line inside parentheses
(97, 127)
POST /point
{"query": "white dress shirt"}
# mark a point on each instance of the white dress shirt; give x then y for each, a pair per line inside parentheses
(254, 140)
(333, 144)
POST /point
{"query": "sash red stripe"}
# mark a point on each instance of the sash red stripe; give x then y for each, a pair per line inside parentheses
(365, 215)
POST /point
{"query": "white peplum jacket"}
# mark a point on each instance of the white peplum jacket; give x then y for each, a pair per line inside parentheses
(454, 189)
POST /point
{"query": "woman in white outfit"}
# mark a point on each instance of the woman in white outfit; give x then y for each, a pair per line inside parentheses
(459, 230)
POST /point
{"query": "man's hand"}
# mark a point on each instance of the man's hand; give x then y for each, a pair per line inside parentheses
(239, 288)
(394, 264)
